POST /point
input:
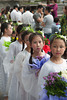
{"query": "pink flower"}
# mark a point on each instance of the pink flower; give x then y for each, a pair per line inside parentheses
(44, 78)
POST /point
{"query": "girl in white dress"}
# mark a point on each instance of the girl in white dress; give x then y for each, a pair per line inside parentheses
(14, 49)
(16, 91)
(6, 30)
(56, 62)
(31, 65)
(2, 75)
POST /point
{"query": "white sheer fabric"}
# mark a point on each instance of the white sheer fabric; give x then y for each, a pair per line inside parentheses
(3, 38)
(14, 49)
(2, 73)
(50, 67)
(16, 91)
(30, 81)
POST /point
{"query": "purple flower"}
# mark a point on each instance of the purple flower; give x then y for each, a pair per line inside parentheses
(44, 78)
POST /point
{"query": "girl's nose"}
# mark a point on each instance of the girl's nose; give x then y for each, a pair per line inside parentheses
(58, 49)
(37, 44)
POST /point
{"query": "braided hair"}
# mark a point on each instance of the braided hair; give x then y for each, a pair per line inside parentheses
(23, 37)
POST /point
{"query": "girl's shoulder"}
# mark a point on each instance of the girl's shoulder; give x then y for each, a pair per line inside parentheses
(23, 53)
(49, 63)
(13, 43)
(5, 38)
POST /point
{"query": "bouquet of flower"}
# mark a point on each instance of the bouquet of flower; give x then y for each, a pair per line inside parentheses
(38, 62)
(55, 85)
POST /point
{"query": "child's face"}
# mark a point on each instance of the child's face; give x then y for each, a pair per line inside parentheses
(26, 40)
(9, 30)
(58, 47)
(37, 44)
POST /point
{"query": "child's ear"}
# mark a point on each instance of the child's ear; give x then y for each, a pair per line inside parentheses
(5, 30)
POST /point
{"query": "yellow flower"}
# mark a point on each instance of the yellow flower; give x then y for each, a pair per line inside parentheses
(13, 37)
(16, 38)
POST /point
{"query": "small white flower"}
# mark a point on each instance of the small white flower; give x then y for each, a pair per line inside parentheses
(64, 74)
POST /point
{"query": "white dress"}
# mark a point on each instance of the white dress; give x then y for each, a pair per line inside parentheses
(14, 49)
(50, 67)
(29, 79)
(3, 38)
(2, 73)
(4, 53)
(16, 91)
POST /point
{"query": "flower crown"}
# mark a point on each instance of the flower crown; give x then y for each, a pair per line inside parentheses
(27, 28)
(58, 36)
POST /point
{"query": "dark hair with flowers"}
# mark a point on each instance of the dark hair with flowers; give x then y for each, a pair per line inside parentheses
(23, 37)
(19, 28)
(32, 36)
(4, 26)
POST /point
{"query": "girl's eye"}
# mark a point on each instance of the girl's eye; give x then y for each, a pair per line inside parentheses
(61, 46)
(39, 41)
(54, 46)
(35, 42)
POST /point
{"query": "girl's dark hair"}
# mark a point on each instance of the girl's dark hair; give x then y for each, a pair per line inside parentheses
(19, 28)
(32, 36)
(53, 38)
(23, 36)
(4, 26)
(65, 54)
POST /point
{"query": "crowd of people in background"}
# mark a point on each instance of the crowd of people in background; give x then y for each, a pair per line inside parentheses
(23, 35)
(38, 17)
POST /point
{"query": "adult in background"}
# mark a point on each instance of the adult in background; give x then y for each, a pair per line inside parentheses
(14, 13)
(38, 17)
(53, 7)
(19, 14)
(27, 16)
(47, 22)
